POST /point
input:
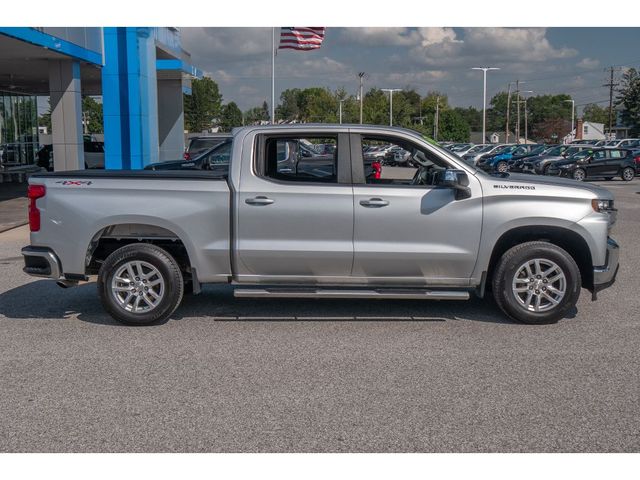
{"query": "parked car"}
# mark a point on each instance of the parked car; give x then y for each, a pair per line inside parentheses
(540, 164)
(274, 231)
(600, 162)
(625, 143)
(93, 155)
(475, 155)
(215, 159)
(497, 161)
(198, 145)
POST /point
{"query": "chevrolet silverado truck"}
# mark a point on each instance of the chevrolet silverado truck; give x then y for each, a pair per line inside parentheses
(280, 223)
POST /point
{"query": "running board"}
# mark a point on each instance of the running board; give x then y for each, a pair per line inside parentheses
(389, 293)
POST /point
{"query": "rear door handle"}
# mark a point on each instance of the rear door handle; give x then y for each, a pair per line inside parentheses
(374, 202)
(259, 201)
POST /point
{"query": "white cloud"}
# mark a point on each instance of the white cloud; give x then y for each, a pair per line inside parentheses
(588, 63)
(380, 36)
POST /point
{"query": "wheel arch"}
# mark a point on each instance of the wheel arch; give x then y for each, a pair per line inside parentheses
(113, 236)
(564, 238)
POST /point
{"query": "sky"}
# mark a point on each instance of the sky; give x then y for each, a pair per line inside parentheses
(550, 60)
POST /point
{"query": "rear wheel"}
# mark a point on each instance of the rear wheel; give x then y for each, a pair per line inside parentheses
(628, 174)
(579, 174)
(536, 283)
(140, 284)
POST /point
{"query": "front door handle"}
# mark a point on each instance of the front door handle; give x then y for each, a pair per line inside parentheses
(374, 202)
(259, 201)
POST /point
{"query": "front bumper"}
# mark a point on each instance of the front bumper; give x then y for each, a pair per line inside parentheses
(604, 276)
(41, 262)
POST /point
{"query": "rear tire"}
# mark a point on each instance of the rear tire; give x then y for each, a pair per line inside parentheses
(627, 174)
(140, 284)
(553, 277)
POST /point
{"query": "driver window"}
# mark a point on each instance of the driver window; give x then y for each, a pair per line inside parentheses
(389, 161)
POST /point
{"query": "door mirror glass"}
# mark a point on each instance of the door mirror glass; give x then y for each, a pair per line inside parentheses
(456, 179)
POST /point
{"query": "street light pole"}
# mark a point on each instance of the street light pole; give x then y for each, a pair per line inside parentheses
(573, 110)
(484, 98)
(361, 75)
(391, 90)
(340, 110)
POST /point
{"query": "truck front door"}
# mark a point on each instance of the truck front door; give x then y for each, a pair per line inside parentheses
(408, 231)
(295, 210)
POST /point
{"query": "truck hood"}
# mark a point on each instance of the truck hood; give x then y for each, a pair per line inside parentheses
(528, 179)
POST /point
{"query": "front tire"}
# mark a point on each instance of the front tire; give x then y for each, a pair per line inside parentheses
(140, 284)
(502, 167)
(579, 174)
(536, 283)
(627, 174)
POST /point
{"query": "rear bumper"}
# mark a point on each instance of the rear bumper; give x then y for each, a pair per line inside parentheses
(605, 275)
(41, 262)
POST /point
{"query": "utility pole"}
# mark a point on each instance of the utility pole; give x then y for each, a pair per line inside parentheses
(361, 75)
(436, 120)
(340, 114)
(526, 129)
(611, 86)
(484, 99)
(391, 90)
(506, 128)
(518, 82)
(573, 112)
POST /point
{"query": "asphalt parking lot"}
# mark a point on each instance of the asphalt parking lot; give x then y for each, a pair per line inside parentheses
(249, 375)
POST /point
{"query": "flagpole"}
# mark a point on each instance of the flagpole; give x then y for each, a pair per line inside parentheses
(273, 74)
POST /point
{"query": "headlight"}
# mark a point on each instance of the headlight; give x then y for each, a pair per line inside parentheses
(602, 206)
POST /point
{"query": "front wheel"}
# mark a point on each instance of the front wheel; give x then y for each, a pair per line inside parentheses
(140, 284)
(502, 167)
(627, 174)
(536, 283)
(579, 174)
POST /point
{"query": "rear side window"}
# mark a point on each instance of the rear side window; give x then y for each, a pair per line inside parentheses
(200, 144)
(301, 159)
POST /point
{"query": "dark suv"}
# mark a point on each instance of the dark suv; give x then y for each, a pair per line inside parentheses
(198, 145)
(600, 162)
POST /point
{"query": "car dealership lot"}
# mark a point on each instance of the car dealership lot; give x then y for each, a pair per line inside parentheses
(228, 374)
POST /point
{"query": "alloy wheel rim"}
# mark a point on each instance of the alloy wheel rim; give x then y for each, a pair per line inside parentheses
(502, 167)
(138, 286)
(628, 174)
(578, 175)
(539, 285)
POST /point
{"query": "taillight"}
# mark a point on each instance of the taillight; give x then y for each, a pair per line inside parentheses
(637, 160)
(377, 170)
(35, 192)
(187, 156)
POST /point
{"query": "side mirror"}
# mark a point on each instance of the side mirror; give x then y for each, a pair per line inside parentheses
(456, 179)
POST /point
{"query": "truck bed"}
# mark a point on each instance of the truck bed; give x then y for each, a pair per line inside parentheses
(191, 206)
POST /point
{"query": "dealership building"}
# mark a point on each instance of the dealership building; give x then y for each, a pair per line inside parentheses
(141, 74)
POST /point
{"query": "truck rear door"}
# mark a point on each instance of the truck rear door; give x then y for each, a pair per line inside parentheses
(295, 210)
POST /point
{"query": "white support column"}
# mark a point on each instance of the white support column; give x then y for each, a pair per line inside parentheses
(66, 114)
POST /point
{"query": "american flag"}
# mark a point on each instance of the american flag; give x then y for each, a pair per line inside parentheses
(301, 38)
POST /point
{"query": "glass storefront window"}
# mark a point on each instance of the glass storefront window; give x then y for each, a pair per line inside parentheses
(18, 129)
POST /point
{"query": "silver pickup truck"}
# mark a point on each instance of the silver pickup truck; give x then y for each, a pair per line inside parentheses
(306, 211)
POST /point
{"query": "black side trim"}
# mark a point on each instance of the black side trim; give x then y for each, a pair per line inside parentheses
(137, 174)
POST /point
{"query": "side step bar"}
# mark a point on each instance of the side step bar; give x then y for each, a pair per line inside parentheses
(389, 293)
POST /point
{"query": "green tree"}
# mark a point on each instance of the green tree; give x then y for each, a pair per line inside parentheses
(629, 99)
(472, 116)
(595, 113)
(376, 107)
(203, 105)
(92, 115)
(230, 117)
(453, 127)
(256, 115)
